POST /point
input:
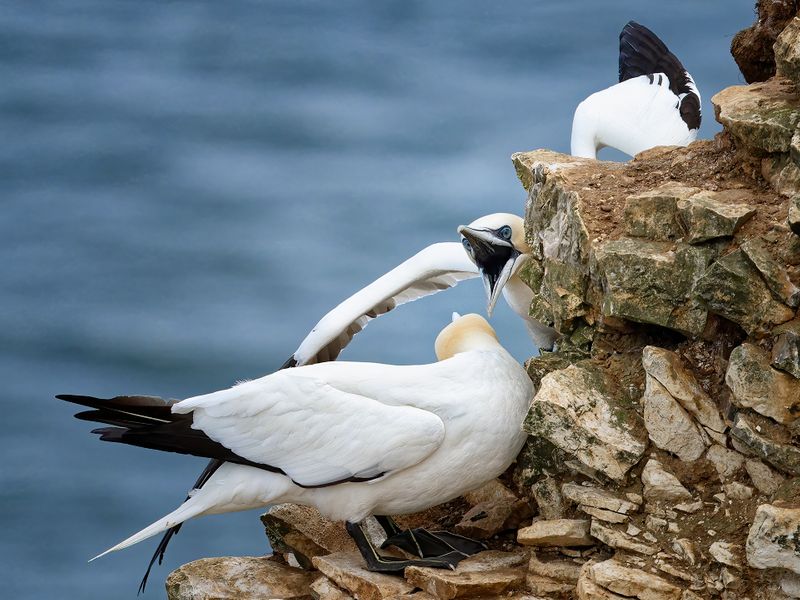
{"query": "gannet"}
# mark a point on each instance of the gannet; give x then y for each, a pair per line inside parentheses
(350, 439)
(492, 247)
(655, 103)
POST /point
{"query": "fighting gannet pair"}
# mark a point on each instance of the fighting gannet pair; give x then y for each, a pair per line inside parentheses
(326, 434)
(360, 439)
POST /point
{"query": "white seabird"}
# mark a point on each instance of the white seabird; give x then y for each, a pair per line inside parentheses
(492, 247)
(655, 103)
(350, 439)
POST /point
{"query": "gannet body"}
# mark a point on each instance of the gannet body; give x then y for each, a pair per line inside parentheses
(655, 103)
(350, 439)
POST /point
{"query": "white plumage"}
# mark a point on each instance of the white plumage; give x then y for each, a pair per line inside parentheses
(655, 103)
(424, 433)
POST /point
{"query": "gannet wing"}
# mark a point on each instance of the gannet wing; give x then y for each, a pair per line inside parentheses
(313, 432)
(641, 52)
(433, 269)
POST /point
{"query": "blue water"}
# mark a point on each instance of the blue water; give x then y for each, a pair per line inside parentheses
(188, 187)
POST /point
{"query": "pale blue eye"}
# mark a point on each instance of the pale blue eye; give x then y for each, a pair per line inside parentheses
(505, 232)
(466, 244)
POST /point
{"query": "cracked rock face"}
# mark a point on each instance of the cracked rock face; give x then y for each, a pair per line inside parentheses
(774, 538)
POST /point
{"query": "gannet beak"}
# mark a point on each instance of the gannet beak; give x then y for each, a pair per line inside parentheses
(456, 317)
(494, 256)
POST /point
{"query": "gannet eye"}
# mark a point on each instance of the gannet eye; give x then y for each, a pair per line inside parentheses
(466, 244)
(505, 232)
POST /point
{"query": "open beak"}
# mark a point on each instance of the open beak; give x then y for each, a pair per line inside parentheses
(495, 257)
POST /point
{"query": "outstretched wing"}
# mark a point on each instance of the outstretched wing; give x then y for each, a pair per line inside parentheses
(313, 432)
(433, 269)
(641, 52)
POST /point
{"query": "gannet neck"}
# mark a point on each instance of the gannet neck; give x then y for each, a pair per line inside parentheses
(469, 332)
(583, 142)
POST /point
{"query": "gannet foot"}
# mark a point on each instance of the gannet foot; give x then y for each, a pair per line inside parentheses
(390, 564)
(431, 544)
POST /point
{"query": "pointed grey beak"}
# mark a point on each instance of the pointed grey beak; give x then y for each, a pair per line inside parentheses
(495, 257)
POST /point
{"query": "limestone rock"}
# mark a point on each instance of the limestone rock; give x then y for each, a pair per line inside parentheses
(709, 215)
(732, 288)
(784, 457)
(551, 576)
(237, 578)
(773, 273)
(661, 485)
(761, 117)
(774, 538)
(612, 576)
(669, 426)
(787, 51)
(301, 530)
(347, 571)
(726, 462)
(597, 498)
(755, 384)
(556, 532)
(794, 214)
(668, 368)
(548, 498)
(782, 173)
(495, 509)
(727, 554)
(619, 539)
(737, 491)
(486, 574)
(575, 410)
(652, 282)
(765, 479)
(323, 589)
(786, 348)
(486, 519)
(653, 214)
(790, 585)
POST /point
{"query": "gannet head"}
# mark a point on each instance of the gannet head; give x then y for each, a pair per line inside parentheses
(467, 332)
(496, 244)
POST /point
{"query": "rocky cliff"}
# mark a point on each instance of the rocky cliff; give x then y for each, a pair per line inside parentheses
(664, 455)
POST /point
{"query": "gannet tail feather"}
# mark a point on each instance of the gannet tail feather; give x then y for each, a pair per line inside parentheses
(184, 512)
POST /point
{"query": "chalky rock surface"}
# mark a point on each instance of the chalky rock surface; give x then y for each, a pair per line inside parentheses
(238, 578)
(663, 457)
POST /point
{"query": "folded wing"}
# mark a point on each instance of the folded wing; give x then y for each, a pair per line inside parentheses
(315, 433)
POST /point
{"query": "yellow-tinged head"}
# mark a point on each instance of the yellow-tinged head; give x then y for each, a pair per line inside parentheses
(467, 332)
(496, 244)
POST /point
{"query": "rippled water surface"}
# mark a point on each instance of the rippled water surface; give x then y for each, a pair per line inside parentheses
(188, 187)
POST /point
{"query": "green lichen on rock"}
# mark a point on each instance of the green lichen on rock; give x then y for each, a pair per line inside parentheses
(732, 288)
(786, 347)
(787, 51)
(652, 282)
(711, 215)
(761, 117)
(784, 457)
(653, 214)
(773, 273)
(583, 414)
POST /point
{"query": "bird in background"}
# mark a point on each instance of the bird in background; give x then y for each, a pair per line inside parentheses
(350, 439)
(655, 103)
(492, 247)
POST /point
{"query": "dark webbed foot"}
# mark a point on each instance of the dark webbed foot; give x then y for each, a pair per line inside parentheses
(391, 564)
(425, 544)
